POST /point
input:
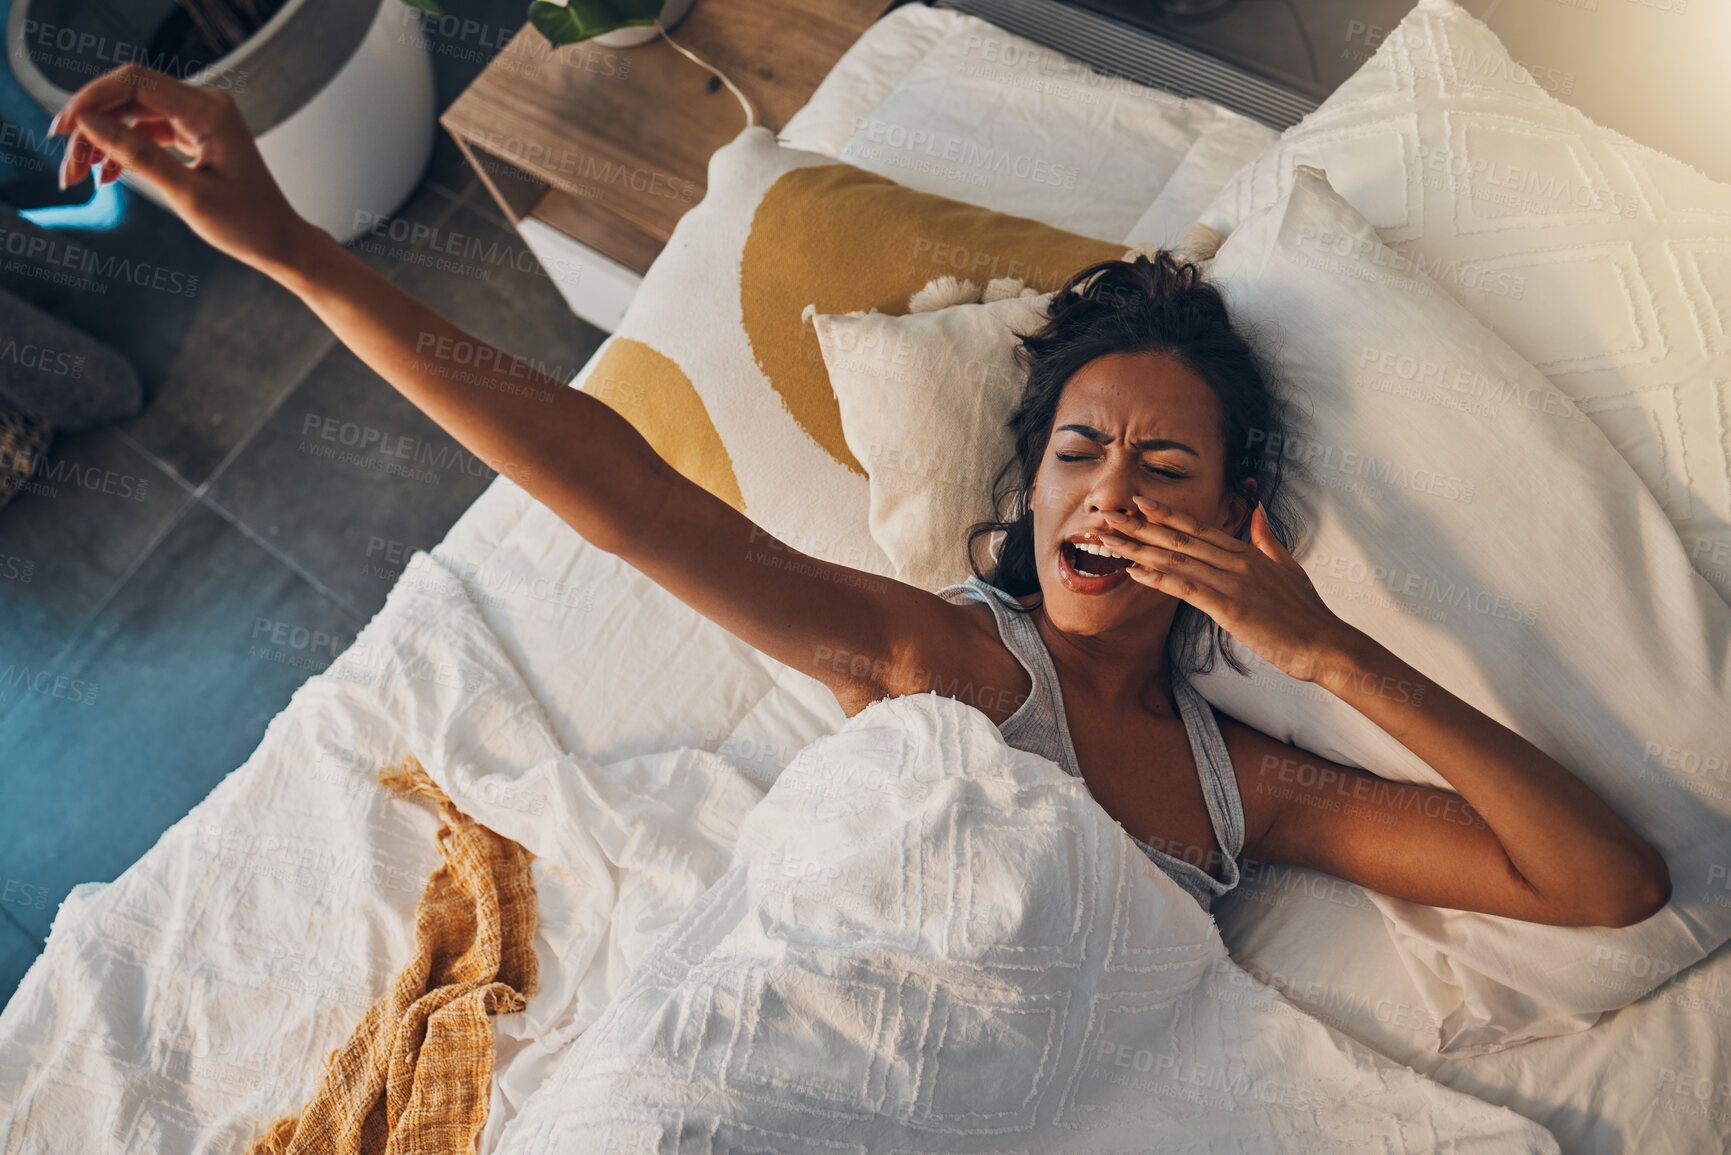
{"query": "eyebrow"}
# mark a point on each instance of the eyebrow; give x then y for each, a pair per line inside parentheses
(1095, 435)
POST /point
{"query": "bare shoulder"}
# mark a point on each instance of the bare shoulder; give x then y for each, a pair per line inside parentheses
(1257, 759)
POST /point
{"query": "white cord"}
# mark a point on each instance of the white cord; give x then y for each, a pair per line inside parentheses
(750, 113)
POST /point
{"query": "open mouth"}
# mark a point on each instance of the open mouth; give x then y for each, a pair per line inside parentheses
(1092, 564)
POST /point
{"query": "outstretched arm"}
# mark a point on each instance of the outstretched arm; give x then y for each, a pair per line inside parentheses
(1549, 850)
(519, 421)
(852, 631)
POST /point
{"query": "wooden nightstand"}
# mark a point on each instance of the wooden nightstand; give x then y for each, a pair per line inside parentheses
(595, 153)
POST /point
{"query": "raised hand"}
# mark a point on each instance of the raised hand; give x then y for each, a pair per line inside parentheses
(122, 122)
(1256, 591)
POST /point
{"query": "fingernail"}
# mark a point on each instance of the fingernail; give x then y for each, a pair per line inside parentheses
(54, 125)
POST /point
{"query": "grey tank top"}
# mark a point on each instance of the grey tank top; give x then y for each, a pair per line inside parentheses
(1039, 727)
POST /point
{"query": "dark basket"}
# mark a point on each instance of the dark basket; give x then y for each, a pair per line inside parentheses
(23, 443)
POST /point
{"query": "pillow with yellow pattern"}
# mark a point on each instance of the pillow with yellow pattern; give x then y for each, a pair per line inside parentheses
(715, 366)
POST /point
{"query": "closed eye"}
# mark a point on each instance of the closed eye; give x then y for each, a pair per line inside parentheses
(1151, 469)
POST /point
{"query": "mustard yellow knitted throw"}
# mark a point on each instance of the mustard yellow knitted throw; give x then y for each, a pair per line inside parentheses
(416, 1076)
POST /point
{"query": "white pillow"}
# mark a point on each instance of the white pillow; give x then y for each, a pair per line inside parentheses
(866, 73)
(997, 120)
(1219, 153)
(1629, 1084)
(1471, 537)
(1604, 263)
(924, 399)
(1511, 518)
(713, 365)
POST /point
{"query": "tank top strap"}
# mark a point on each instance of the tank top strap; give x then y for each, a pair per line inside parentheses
(1214, 765)
(1038, 724)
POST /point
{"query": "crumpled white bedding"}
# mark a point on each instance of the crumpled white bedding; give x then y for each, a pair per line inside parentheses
(929, 941)
(1649, 1078)
(160, 1019)
(191, 1001)
(974, 888)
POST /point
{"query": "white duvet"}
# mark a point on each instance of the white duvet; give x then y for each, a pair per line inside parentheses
(924, 940)
(180, 1006)
(928, 941)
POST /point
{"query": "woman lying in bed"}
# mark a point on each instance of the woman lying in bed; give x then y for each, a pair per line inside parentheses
(1141, 529)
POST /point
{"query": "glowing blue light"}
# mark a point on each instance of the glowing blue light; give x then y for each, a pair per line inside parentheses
(102, 211)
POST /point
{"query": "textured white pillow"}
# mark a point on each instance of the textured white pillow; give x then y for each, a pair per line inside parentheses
(1465, 514)
(1219, 153)
(1468, 518)
(1604, 263)
(713, 365)
(997, 120)
(924, 400)
(866, 73)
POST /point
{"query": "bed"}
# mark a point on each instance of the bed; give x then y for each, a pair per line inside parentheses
(573, 706)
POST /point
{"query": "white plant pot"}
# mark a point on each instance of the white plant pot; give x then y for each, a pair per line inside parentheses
(346, 139)
(355, 152)
(672, 13)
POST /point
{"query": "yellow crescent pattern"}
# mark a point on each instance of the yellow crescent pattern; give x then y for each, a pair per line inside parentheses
(651, 391)
(844, 239)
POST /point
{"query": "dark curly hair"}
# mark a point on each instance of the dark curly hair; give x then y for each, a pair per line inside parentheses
(1159, 305)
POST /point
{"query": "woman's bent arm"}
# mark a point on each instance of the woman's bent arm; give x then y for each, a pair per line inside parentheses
(1562, 838)
(1573, 858)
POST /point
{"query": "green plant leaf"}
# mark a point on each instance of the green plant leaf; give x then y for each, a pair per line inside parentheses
(578, 20)
(430, 7)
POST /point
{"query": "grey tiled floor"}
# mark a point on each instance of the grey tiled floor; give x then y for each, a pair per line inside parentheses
(148, 602)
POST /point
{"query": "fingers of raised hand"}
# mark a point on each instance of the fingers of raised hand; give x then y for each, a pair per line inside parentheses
(1186, 587)
(115, 144)
(1270, 545)
(1176, 540)
(77, 160)
(132, 88)
(1147, 555)
(1157, 513)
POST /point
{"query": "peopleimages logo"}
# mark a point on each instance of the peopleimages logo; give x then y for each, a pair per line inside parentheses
(1309, 455)
(1520, 187)
(970, 154)
(88, 54)
(47, 683)
(1416, 54)
(35, 254)
(467, 254)
(365, 440)
(43, 476)
(41, 359)
(1422, 589)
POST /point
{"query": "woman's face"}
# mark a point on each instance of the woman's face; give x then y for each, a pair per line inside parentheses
(1126, 425)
